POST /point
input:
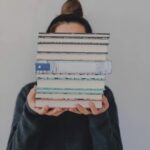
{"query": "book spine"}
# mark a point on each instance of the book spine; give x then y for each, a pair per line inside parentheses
(66, 104)
(69, 56)
(88, 91)
(75, 35)
(70, 48)
(103, 67)
(70, 84)
(73, 41)
(69, 77)
(68, 96)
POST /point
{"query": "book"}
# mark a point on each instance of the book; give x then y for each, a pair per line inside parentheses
(52, 39)
(71, 56)
(51, 76)
(71, 68)
(68, 96)
(74, 67)
(72, 48)
(70, 84)
(88, 91)
(75, 35)
(66, 103)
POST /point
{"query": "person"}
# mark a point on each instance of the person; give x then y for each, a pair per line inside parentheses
(75, 128)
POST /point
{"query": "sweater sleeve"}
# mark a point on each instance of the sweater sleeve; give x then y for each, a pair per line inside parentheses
(27, 124)
(104, 128)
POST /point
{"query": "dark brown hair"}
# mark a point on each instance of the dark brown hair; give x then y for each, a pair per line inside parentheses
(71, 12)
(72, 7)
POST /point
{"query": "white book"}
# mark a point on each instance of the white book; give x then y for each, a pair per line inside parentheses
(74, 35)
(69, 76)
(73, 40)
(73, 57)
(66, 103)
(68, 96)
(72, 48)
(70, 84)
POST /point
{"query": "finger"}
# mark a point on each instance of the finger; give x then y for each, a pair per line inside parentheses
(43, 110)
(59, 113)
(54, 111)
(74, 110)
(93, 109)
(82, 110)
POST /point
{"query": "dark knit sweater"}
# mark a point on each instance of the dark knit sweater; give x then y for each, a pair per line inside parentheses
(68, 131)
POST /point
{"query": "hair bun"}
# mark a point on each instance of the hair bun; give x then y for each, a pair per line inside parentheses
(72, 7)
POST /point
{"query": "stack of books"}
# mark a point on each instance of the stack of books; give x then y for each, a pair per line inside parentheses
(71, 69)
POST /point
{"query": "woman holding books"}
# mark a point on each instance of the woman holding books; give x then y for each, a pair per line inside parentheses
(65, 129)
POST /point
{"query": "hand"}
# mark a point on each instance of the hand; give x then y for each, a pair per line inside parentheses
(44, 110)
(92, 109)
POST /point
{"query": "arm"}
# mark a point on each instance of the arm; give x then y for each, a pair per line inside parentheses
(104, 128)
(26, 125)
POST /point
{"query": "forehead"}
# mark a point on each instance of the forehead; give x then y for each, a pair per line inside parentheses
(71, 27)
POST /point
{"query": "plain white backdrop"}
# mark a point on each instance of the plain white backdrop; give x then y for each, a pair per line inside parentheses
(127, 21)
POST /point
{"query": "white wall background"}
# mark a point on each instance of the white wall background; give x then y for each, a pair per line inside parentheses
(128, 22)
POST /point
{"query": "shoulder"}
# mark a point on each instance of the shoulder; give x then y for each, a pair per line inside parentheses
(108, 91)
(109, 94)
(26, 89)
(28, 86)
(22, 97)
